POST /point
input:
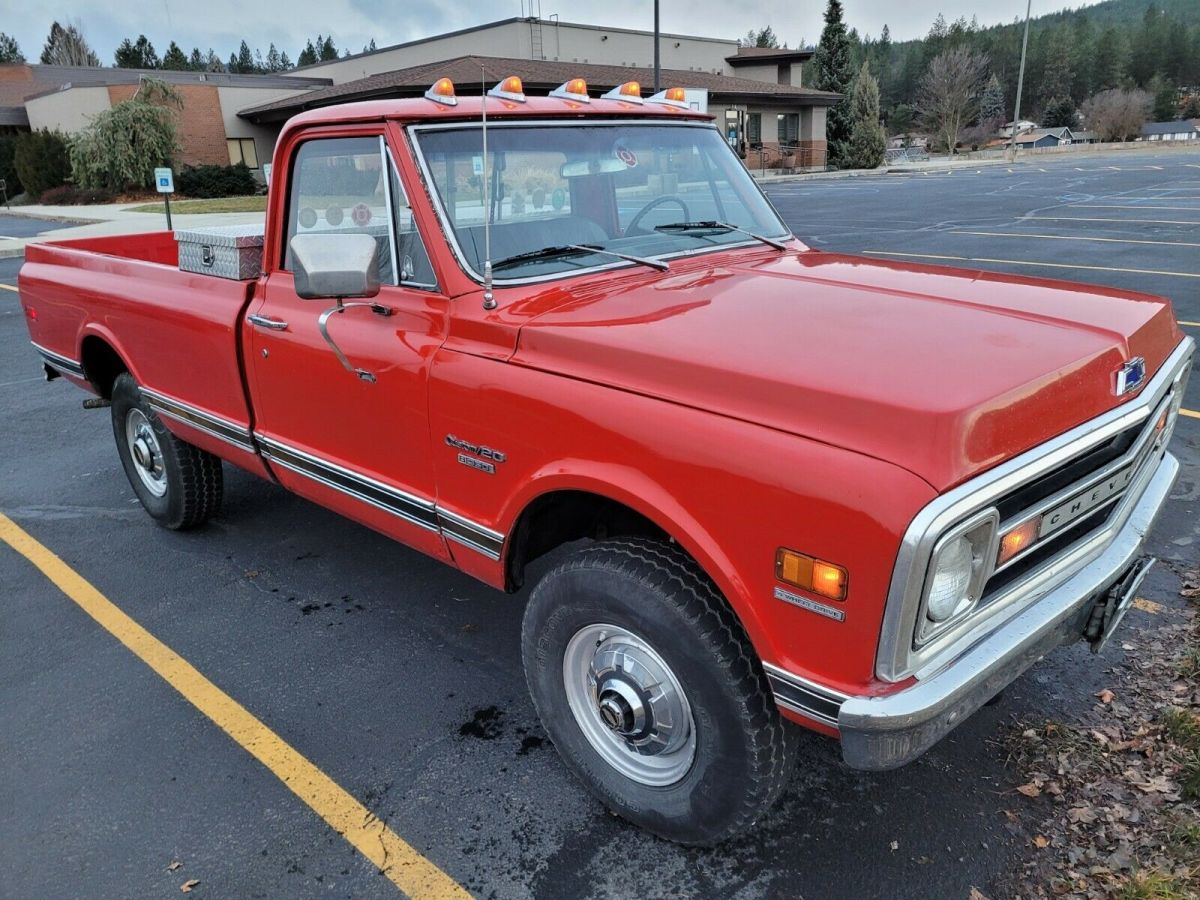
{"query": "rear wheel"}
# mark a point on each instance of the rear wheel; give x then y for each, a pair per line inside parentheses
(179, 484)
(652, 694)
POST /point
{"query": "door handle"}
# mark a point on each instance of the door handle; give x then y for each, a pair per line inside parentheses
(267, 322)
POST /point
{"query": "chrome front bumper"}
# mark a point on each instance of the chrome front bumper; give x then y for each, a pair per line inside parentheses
(886, 732)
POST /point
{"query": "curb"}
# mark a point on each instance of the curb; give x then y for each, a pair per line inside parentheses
(12, 253)
(74, 220)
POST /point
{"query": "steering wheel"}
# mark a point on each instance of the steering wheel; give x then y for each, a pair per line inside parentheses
(633, 228)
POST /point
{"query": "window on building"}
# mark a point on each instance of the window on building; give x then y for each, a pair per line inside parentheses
(789, 128)
(241, 150)
(754, 129)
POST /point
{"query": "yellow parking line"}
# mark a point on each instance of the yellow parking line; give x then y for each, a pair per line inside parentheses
(1063, 237)
(404, 866)
(1192, 324)
(1122, 221)
(1027, 262)
(1190, 413)
(8, 287)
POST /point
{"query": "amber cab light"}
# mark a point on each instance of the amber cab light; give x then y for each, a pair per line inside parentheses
(816, 575)
(442, 91)
(510, 89)
(630, 91)
(575, 89)
(1017, 540)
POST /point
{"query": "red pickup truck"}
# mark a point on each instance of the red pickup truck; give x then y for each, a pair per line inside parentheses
(782, 486)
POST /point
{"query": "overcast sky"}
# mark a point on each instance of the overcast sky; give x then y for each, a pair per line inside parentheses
(222, 24)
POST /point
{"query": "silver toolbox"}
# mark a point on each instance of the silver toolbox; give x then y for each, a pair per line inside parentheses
(226, 251)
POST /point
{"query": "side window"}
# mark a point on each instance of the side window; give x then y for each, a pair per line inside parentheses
(339, 185)
(415, 268)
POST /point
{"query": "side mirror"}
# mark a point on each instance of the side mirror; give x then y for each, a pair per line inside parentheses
(332, 265)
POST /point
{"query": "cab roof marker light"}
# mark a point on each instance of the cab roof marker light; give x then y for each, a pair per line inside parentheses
(675, 96)
(442, 91)
(509, 89)
(575, 89)
(630, 92)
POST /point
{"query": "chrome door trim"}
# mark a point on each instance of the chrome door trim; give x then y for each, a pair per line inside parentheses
(215, 426)
(805, 697)
(470, 534)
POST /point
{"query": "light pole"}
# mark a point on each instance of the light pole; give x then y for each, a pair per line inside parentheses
(1012, 147)
(657, 76)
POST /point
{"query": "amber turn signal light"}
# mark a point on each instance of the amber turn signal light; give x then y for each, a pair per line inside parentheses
(676, 94)
(575, 89)
(510, 89)
(1017, 540)
(816, 575)
(630, 91)
(442, 92)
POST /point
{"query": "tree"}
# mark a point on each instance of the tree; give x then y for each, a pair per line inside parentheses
(1116, 115)
(1060, 112)
(867, 140)
(328, 51)
(276, 61)
(242, 62)
(992, 111)
(197, 61)
(1110, 60)
(948, 93)
(137, 54)
(67, 47)
(370, 48)
(122, 145)
(40, 161)
(763, 37)
(1166, 106)
(901, 120)
(307, 56)
(10, 51)
(212, 62)
(831, 65)
(175, 59)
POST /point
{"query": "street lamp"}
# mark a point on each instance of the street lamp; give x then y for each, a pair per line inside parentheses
(1012, 147)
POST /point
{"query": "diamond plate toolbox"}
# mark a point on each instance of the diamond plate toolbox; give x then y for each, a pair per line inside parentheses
(226, 251)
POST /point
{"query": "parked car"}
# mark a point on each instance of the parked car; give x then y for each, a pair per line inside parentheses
(782, 486)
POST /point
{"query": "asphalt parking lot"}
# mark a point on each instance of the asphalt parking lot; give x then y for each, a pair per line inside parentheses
(401, 680)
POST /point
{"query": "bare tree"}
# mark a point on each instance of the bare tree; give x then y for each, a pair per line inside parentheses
(67, 47)
(948, 94)
(1116, 115)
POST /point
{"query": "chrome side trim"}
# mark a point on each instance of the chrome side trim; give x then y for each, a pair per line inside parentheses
(805, 697)
(225, 430)
(896, 659)
(59, 362)
(403, 505)
(470, 534)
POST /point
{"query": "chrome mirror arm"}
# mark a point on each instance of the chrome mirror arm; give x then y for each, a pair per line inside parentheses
(323, 327)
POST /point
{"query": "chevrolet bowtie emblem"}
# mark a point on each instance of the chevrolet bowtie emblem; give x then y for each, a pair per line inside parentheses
(1130, 376)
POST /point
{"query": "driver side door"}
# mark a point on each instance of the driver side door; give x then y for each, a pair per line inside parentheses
(355, 442)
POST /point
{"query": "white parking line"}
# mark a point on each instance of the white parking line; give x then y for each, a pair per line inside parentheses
(1102, 206)
(1121, 221)
(1030, 262)
(1064, 237)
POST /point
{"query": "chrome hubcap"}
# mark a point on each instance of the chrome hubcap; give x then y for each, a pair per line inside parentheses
(146, 452)
(629, 705)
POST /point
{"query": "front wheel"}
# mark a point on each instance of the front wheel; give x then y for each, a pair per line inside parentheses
(647, 685)
(179, 484)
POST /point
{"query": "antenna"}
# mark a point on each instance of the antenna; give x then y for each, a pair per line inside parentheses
(489, 301)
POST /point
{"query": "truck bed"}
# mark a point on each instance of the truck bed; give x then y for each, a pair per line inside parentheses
(176, 330)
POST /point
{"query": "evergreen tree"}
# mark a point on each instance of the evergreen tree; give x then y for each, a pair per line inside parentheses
(175, 59)
(1059, 112)
(867, 140)
(328, 51)
(10, 51)
(1166, 108)
(137, 54)
(197, 61)
(307, 56)
(1109, 61)
(1146, 52)
(212, 62)
(67, 47)
(831, 65)
(992, 111)
(370, 48)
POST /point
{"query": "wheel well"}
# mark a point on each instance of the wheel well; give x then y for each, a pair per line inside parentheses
(101, 364)
(564, 516)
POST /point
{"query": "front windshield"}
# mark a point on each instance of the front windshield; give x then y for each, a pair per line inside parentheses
(628, 188)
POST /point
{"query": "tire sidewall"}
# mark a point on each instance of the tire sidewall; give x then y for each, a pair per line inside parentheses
(167, 509)
(697, 808)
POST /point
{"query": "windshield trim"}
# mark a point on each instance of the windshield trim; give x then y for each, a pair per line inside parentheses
(414, 131)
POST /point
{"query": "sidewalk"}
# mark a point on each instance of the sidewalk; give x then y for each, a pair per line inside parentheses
(929, 165)
(109, 219)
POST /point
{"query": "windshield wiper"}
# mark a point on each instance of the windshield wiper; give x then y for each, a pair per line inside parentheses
(571, 250)
(713, 225)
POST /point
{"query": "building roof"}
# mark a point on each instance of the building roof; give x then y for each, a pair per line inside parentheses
(754, 56)
(537, 75)
(1038, 134)
(1181, 126)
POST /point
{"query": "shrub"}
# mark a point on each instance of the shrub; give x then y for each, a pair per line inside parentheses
(216, 181)
(70, 195)
(40, 160)
(8, 172)
(124, 144)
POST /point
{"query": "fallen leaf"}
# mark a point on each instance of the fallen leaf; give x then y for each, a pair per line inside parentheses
(1147, 605)
(173, 866)
(1041, 842)
(1081, 814)
(1030, 790)
(1106, 696)
(187, 886)
(895, 845)
(976, 894)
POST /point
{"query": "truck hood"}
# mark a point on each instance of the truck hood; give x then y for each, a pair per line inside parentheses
(945, 372)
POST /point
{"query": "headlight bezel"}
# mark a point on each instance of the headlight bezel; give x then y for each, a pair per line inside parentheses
(982, 532)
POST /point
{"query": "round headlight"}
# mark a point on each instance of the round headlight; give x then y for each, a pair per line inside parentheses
(950, 586)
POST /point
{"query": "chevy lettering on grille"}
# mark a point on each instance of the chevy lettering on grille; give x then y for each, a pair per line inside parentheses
(1081, 504)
